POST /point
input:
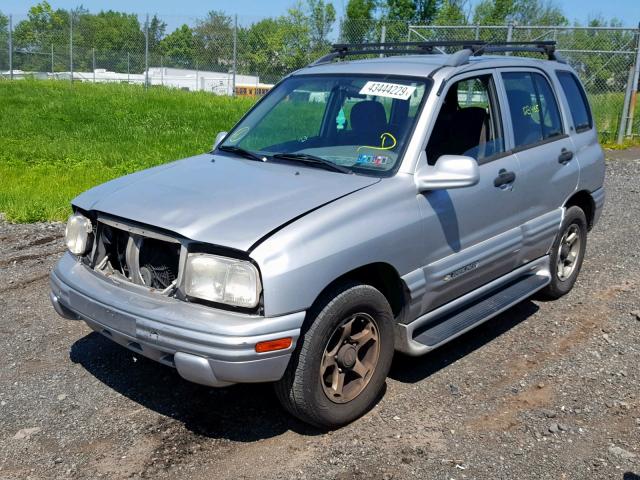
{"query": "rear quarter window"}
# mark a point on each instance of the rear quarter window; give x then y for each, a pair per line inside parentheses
(577, 100)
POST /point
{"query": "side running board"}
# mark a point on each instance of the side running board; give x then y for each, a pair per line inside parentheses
(448, 322)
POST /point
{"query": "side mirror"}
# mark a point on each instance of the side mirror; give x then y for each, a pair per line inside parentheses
(219, 137)
(450, 171)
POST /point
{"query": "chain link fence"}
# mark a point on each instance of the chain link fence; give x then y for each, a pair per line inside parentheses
(606, 58)
(227, 55)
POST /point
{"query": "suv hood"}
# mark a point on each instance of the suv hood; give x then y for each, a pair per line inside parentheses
(220, 200)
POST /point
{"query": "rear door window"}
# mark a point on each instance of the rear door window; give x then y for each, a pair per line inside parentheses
(534, 110)
(577, 100)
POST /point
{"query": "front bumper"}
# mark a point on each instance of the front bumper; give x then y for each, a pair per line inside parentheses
(206, 345)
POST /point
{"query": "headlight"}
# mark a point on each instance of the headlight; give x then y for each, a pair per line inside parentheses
(78, 234)
(223, 280)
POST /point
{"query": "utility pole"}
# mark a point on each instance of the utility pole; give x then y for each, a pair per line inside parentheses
(11, 47)
(509, 35)
(625, 108)
(146, 53)
(634, 86)
(71, 44)
(235, 54)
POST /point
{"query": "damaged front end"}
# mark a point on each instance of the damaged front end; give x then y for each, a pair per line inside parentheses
(137, 255)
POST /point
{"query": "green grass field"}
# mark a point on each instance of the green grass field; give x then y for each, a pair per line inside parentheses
(58, 139)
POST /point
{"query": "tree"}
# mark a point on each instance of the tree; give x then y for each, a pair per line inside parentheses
(157, 29)
(400, 10)
(520, 12)
(321, 17)
(110, 36)
(43, 29)
(451, 12)
(178, 46)
(356, 26)
(4, 39)
(274, 47)
(426, 11)
(213, 37)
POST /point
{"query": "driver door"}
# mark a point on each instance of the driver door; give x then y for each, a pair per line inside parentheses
(472, 234)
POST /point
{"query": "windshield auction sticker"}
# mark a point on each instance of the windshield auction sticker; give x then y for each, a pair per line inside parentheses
(390, 90)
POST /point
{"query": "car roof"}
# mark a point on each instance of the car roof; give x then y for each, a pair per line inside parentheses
(422, 65)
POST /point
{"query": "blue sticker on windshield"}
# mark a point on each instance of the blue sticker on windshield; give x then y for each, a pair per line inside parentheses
(370, 160)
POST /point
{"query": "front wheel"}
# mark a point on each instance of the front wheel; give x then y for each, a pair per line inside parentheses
(567, 254)
(339, 367)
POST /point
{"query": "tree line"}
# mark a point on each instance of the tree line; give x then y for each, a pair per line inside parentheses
(270, 47)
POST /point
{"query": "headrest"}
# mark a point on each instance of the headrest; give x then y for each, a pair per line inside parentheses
(368, 116)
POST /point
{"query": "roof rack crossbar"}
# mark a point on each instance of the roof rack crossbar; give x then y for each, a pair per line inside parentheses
(468, 48)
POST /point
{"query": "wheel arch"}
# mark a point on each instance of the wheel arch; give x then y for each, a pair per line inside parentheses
(380, 275)
(584, 200)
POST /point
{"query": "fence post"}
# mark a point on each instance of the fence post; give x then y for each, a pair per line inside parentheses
(509, 35)
(383, 37)
(146, 53)
(634, 87)
(52, 68)
(11, 47)
(477, 32)
(128, 68)
(71, 45)
(625, 108)
(93, 57)
(235, 54)
(161, 71)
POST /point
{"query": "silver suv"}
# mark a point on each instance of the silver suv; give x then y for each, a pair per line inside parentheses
(361, 207)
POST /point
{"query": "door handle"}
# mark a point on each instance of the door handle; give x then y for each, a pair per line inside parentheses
(504, 178)
(565, 156)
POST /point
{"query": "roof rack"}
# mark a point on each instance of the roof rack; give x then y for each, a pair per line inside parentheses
(468, 48)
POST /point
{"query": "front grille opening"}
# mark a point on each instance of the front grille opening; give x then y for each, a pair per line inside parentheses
(114, 243)
(142, 260)
(158, 263)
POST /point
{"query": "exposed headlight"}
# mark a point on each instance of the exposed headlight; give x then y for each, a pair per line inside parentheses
(77, 235)
(223, 280)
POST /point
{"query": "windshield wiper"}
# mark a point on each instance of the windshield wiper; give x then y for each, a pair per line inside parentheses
(312, 160)
(242, 152)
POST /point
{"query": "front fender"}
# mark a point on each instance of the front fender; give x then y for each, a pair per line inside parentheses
(377, 224)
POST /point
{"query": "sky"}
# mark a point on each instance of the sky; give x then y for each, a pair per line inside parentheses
(183, 11)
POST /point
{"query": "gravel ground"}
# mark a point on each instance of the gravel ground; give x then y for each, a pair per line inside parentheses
(545, 390)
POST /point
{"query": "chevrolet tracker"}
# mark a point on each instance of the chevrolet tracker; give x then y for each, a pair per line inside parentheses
(362, 206)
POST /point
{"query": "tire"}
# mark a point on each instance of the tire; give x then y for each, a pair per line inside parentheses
(574, 221)
(305, 392)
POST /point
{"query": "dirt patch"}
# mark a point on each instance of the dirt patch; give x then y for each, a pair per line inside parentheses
(545, 390)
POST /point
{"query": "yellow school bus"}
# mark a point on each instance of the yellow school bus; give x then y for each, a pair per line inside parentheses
(255, 90)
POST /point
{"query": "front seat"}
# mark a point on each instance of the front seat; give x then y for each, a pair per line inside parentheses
(368, 122)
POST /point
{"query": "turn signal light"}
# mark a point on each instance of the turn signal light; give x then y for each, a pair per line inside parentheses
(271, 345)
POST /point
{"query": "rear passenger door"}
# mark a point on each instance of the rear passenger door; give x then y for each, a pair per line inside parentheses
(549, 169)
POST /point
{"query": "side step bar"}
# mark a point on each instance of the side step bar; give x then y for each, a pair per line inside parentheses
(459, 316)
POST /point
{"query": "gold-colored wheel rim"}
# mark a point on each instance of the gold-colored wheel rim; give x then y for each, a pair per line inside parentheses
(350, 358)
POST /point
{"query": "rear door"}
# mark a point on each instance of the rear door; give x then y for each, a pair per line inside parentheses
(548, 166)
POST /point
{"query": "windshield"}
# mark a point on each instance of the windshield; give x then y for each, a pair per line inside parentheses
(358, 122)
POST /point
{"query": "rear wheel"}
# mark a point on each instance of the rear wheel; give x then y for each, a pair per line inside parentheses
(341, 362)
(567, 254)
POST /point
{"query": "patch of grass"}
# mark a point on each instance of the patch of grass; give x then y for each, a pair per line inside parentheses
(58, 139)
